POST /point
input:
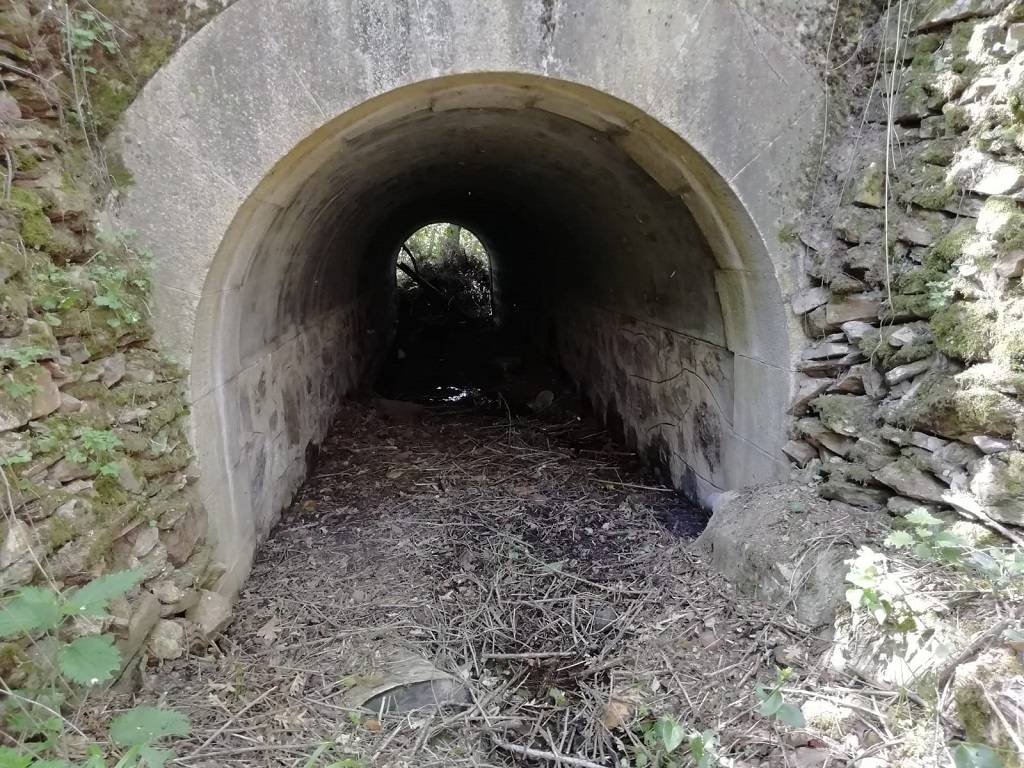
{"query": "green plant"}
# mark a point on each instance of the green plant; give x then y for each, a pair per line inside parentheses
(772, 704)
(879, 592)
(18, 359)
(32, 717)
(98, 449)
(22, 357)
(968, 755)
(345, 762)
(17, 389)
(704, 748)
(112, 293)
(21, 456)
(927, 538)
(660, 742)
(88, 29)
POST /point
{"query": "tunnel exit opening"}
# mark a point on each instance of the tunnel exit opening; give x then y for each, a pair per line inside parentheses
(615, 252)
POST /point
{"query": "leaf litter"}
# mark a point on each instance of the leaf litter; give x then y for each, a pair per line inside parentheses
(529, 562)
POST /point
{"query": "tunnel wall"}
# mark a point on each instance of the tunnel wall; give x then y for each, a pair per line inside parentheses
(222, 140)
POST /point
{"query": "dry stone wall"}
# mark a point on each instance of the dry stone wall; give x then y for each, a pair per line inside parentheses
(93, 447)
(909, 391)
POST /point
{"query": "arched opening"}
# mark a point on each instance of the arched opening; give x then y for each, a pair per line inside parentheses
(613, 245)
(444, 329)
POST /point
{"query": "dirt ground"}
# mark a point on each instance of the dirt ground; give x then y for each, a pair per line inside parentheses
(472, 581)
(528, 564)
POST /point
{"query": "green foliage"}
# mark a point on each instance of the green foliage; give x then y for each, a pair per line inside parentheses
(21, 456)
(114, 287)
(879, 592)
(92, 599)
(704, 748)
(926, 537)
(32, 609)
(147, 725)
(772, 704)
(451, 267)
(968, 755)
(670, 734)
(98, 449)
(661, 740)
(22, 357)
(88, 660)
(88, 30)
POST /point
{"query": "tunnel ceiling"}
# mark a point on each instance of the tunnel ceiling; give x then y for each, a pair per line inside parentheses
(568, 215)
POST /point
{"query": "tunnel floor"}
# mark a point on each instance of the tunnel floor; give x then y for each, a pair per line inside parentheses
(524, 564)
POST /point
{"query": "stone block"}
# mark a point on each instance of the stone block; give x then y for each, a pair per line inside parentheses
(761, 540)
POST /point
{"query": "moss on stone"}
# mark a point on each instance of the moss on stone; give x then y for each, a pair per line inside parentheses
(120, 176)
(845, 414)
(1009, 346)
(938, 152)
(61, 532)
(958, 119)
(151, 54)
(958, 408)
(35, 229)
(920, 305)
(940, 258)
(965, 330)
(109, 98)
(930, 189)
(25, 159)
(973, 688)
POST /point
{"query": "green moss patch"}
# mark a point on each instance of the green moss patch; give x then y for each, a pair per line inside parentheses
(965, 330)
(35, 229)
(958, 407)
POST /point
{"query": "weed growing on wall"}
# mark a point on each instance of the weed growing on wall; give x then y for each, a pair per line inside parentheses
(32, 716)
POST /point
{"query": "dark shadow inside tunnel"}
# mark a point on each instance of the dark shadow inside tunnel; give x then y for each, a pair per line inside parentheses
(610, 252)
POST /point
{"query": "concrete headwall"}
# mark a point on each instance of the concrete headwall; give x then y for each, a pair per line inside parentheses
(632, 162)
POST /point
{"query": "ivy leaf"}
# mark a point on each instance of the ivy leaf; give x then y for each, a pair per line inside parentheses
(143, 726)
(899, 539)
(670, 733)
(92, 599)
(790, 715)
(31, 609)
(89, 660)
(967, 755)
(922, 517)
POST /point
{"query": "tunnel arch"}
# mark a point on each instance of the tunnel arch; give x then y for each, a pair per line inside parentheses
(268, 196)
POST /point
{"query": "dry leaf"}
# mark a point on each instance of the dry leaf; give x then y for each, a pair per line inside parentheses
(616, 713)
(298, 684)
(268, 632)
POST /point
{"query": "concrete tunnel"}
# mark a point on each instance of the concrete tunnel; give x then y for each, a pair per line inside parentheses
(613, 240)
